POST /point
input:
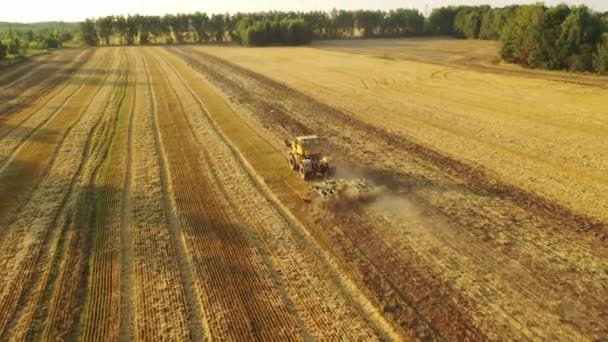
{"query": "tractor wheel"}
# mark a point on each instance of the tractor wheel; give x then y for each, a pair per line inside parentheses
(292, 163)
(305, 175)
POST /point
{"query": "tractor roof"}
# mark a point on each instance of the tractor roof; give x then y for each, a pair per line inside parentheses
(307, 137)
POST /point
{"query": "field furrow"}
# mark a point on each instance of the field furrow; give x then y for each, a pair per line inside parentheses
(159, 307)
(79, 215)
(101, 315)
(303, 270)
(36, 234)
(28, 143)
(465, 196)
(227, 266)
(146, 194)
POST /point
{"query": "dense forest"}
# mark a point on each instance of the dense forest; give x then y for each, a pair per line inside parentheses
(560, 37)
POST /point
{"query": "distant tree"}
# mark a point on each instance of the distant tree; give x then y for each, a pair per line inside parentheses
(131, 28)
(88, 34)
(121, 28)
(51, 42)
(344, 23)
(145, 27)
(13, 46)
(600, 59)
(403, 23)
(260, 32)
(200, 24)
(522, 36)
(554, 53)
(2, 51)
(29, 35)
(468, 20)
(441, 20)
(369, 21)
(105, 28)
(217, 27)
(580, 33)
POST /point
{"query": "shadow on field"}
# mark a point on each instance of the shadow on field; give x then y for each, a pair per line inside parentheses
(98, 79)
(23, 133)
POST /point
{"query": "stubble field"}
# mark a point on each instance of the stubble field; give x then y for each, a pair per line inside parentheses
(145, 194)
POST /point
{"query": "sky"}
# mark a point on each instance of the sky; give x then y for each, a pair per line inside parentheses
(27, 11)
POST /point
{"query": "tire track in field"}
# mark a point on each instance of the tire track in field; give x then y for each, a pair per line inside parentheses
(229, 208)
(37, 246)
(226, 263)
(159, 306)
(310, 277)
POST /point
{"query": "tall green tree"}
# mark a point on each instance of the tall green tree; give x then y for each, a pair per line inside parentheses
(522, 36)
(600, 59)
(2, 51)
(441, 20)
(200, 24)
(369, 22)
(217, 27)
(580, 33)
(88, 34)
(105, 28)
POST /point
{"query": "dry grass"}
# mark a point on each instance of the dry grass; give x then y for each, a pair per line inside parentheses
(324, 310)
(545, 136)
(172, 214)
(32, 238)
(507, 233)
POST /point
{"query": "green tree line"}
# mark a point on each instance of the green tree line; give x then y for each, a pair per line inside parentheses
(559, 38)
(19, 42)
(248, 28)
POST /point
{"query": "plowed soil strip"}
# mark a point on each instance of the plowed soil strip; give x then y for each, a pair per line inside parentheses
(29, 251)
(159, 305)
(226, 263)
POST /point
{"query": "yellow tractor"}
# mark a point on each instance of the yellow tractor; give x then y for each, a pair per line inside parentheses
(305, 157)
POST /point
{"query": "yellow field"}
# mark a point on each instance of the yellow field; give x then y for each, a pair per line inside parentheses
(145, 194)
(544, 136)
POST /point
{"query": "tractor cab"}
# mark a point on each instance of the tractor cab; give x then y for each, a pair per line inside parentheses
(307, 145)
